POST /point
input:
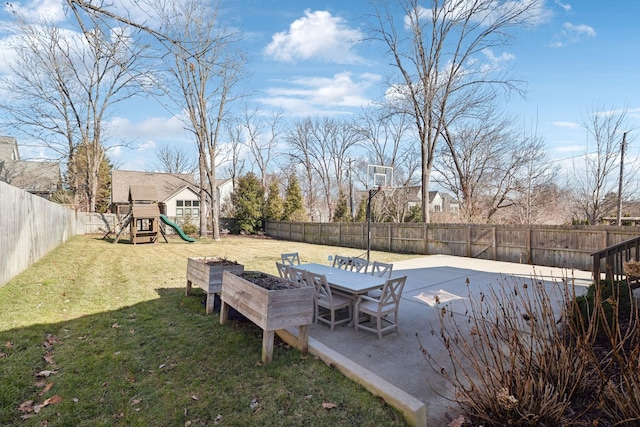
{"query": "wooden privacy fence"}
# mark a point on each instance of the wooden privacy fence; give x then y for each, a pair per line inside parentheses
(555, 246)
(30, 227)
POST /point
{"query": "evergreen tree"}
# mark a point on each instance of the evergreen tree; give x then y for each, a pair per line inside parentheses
(274, 207)
(415, 214)
(248, 200)
(361, 214)
(293, 208)
(341, 213)
(79, 179)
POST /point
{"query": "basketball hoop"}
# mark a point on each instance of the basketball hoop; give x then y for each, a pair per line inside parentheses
(378, 177)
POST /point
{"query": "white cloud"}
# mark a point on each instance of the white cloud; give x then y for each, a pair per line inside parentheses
(565, 6)
(572, 34)
(50, 10)
(567, 125)
(313, 95)
(318, 35)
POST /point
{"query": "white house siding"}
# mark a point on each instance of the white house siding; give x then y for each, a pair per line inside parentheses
(184, 194)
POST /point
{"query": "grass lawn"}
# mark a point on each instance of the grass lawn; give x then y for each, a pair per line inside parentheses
(97, 334)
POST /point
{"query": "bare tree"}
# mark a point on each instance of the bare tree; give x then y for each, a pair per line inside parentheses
(487, 163)
(596, 178)
(323, 145)
(205, 65)
(174, 159)
(300, 152)
(62, 88)
(233, 158)
(261, 133)
(438, 53)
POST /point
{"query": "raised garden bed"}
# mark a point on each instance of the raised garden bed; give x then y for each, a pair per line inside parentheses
(271, 303)
(206, 273)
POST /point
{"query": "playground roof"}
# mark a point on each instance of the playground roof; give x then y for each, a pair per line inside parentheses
(144, 193)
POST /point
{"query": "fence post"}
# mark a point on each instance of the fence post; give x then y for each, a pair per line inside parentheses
(426, 238)
(494, 244)
(469, 242)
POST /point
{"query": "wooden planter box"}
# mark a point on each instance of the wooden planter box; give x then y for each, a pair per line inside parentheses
(206, 274)
(269, 309)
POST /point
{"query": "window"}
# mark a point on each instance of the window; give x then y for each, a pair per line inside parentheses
(187, 208)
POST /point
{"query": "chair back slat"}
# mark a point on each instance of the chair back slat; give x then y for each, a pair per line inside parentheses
(359, 265)
(299, 275)
(290, 258)
(284, 270)
(341, 262)
(381, 269)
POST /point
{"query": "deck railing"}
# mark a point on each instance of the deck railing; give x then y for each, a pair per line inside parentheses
(610, 261)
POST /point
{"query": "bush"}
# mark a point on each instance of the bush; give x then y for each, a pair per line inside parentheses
(189, 228)
(611, 300)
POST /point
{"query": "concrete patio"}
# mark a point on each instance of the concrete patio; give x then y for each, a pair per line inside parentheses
(394, 367)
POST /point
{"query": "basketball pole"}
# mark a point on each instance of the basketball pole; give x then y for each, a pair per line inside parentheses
(372, 194)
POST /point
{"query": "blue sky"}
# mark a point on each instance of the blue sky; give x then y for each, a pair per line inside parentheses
(306, 59)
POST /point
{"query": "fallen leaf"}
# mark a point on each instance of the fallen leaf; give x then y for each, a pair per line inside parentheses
(26, 406)
(2, 355)
(136, 401)
(218, 419)
(308, 396)
(187, 424)
(327, 405)
(45, 373)
(56, 398)
(115, 325)
(194, 397)
(458, 422)
(41, 383)
(8, 344)
(49, 359)
(46, 389)
(75, 400)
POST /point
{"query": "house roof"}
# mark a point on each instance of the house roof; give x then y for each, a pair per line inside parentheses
(8, 148)
(165, 184)
(34, 177)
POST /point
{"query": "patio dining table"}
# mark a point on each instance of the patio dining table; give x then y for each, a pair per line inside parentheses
(344, 281)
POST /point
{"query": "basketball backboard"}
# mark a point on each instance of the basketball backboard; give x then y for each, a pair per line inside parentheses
(379, 177)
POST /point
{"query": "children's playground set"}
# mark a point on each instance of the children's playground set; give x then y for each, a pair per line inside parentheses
(144, 219)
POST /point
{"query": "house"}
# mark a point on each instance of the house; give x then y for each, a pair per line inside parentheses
(438, 201)
(40, 178)
(178, 194)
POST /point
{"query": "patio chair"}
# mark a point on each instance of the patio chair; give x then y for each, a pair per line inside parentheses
(384, 308)
(359, 265)
(290, 258)
(381, 269)
(342, 262)
(327, 303)
(284, 270)
(298, 275)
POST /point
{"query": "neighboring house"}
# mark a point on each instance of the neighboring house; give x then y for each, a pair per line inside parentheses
(39, 178)
(178, 194)
(438, 201)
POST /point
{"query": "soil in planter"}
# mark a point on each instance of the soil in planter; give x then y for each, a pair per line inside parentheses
(216, 261)
(266, 281)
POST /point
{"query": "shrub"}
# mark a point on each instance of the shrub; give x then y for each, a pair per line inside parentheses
(189, 228)
(608, 302)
